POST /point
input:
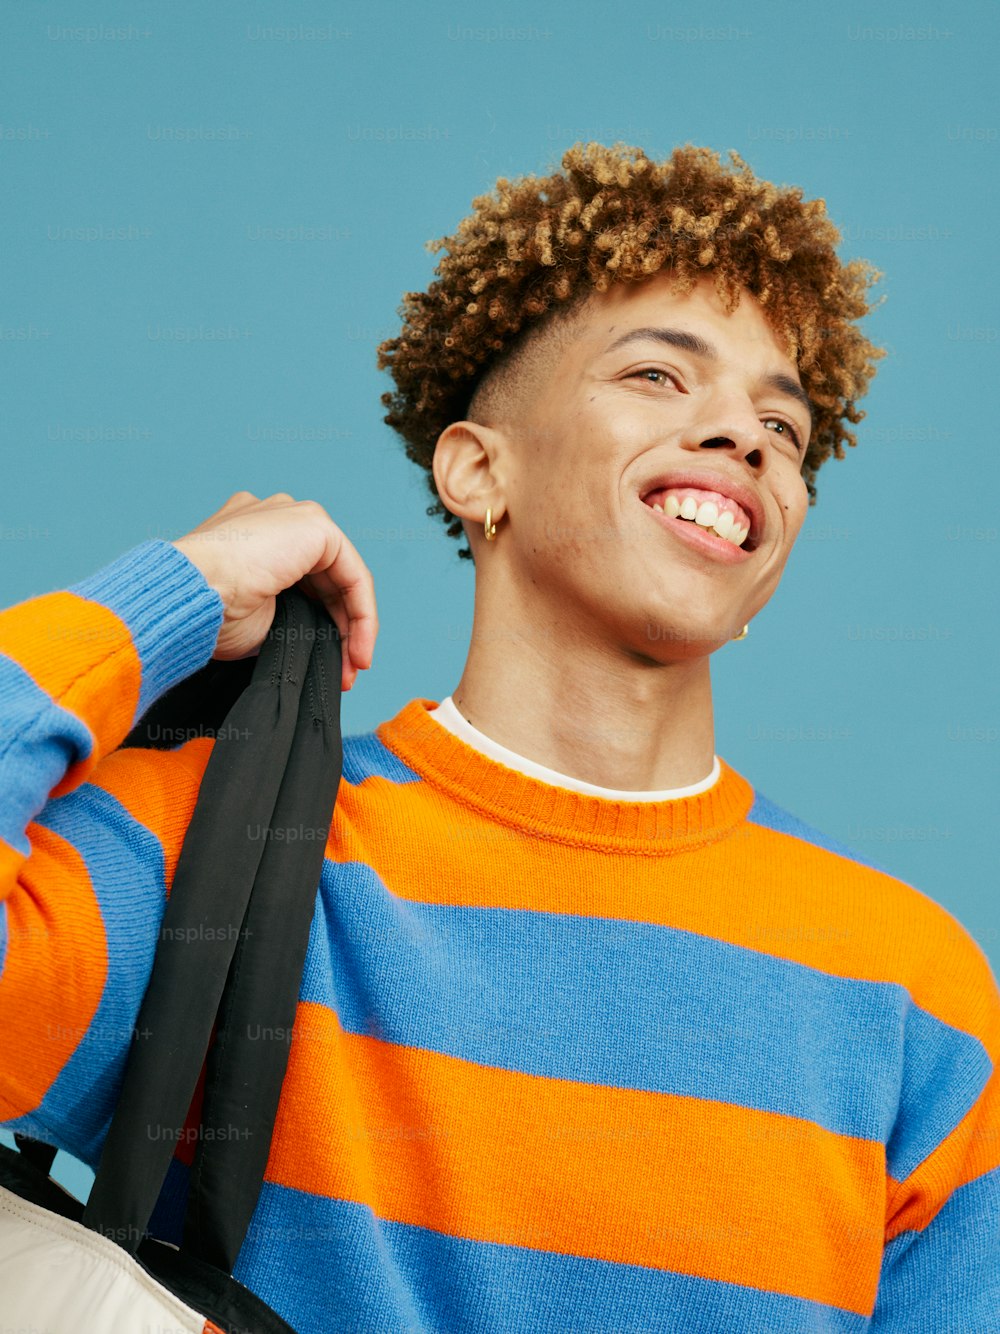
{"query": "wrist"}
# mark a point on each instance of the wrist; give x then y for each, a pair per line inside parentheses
(197, 555)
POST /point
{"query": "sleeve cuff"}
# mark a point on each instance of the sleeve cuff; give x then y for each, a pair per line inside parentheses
(171, 611)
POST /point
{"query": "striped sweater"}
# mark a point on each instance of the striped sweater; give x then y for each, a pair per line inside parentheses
(560, 1062)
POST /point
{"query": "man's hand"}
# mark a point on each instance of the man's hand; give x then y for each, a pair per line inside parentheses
(252, 549)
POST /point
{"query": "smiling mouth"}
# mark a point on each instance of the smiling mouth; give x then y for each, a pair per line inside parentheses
(702, 538)
(709, 522)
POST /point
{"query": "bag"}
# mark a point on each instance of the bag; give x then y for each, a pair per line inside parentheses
(231, 954)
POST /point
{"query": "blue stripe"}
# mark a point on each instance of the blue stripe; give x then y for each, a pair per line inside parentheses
(366, 757)
(771, 816)
(125, 863)
(944, 1072)
(402, 1277)
(632, 1005)
(41, 740)
(946, 1277)
(945, 1069)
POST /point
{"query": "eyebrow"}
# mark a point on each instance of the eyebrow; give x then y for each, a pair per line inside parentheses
(699, 347)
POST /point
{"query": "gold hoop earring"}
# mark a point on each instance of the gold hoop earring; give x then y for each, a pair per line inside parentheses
(489, 526)
(743, 633)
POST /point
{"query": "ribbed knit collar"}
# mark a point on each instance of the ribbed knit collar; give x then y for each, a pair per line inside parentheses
(547, 811)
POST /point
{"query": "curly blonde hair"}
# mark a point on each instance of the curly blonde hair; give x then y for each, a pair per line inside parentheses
(532, 252)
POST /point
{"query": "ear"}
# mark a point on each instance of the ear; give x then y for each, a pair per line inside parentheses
(467, 465)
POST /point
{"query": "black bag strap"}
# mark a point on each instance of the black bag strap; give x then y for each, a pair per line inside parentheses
(247, 1062)
(205, 927)
(36, 1151)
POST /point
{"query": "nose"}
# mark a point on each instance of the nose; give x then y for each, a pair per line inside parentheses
(753, 455)
(742, 433)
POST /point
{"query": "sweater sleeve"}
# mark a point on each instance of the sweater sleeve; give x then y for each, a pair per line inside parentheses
(941, 1260)
(89, 833)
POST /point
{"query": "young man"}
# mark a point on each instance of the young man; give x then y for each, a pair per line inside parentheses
(599, 1038)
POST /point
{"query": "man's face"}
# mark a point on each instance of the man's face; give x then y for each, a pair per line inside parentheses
(613, 422)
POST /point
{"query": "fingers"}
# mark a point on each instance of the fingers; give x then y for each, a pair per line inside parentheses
(239, 500)
(282, 536)
(345, 584)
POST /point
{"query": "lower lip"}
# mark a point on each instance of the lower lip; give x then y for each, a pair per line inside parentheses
(700, 538)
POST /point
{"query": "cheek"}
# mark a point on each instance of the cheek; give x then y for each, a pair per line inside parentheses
(797, 516)
(795, 507)
(569, 526)
(548, 514)
(564, 488)
(565, 524)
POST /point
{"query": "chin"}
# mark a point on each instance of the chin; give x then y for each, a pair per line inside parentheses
(668, 638)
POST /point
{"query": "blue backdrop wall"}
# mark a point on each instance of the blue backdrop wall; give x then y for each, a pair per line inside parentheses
(211, 216)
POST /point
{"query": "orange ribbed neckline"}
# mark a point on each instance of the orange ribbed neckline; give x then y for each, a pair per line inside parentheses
(547, 811)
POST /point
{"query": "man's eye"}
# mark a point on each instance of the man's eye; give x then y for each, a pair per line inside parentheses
(651, 370)
(790, 430)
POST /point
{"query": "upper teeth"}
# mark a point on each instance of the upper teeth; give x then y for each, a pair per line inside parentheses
(705, 515)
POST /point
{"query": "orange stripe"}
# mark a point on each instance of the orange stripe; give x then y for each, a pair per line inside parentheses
(614, 1174)
(55, 969)
(969, 1152)
(11, 862)
(158, 789)
(83, 656)
(796, 901)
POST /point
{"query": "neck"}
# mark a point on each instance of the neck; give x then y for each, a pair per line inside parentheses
(597, 711)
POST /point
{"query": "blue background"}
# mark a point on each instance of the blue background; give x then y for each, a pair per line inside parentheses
(864, 698)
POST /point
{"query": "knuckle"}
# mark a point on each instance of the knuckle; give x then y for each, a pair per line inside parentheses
(315, 509)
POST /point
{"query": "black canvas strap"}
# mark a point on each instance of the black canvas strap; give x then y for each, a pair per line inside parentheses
(196, 706)
(205, 926)
(248, 1060)
(36, 1151)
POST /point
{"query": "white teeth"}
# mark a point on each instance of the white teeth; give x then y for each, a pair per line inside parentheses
(725, 523)
(706, 515)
